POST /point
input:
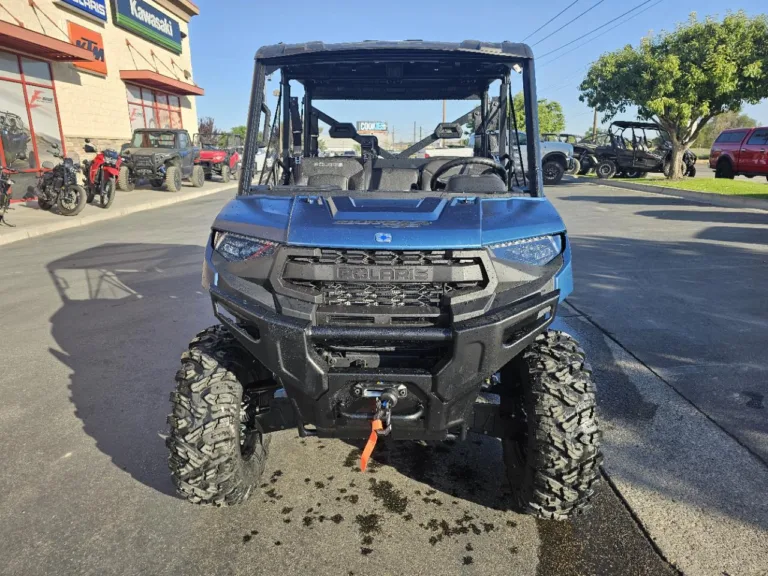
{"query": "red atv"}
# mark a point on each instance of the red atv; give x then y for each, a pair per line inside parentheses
(219, 156)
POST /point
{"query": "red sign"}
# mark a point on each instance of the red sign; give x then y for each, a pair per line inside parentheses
(83, 37)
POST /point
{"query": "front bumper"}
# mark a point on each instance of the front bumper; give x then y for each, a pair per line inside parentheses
(440, 398)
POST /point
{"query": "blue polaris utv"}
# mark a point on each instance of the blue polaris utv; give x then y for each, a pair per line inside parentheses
(389, 294)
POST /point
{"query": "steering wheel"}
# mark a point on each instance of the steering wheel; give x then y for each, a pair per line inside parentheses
(492, 164)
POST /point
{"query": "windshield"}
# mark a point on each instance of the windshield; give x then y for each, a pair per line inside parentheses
(154, 140)
(338, 109)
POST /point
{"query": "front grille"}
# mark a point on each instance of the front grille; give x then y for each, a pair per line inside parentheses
(361, 294)
(383, 258)
(143, 161)
(367, 292)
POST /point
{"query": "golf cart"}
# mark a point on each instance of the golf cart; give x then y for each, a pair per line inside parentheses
(637, 148)
(385, 295)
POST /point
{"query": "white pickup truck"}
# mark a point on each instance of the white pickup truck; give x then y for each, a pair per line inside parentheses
(556, 157)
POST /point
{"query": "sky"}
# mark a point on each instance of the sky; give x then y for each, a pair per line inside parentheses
(227, 34)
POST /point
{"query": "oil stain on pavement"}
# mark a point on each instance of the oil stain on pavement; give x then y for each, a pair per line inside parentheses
(424, 509)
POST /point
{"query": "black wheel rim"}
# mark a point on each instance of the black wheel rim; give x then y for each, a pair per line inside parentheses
(605, 170)
(551, 172)
(177, 181)
(69, 198)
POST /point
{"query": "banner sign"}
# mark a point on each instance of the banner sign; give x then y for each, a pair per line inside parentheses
(148, 22)
(85, 38)
(371, 126)
(94, 8)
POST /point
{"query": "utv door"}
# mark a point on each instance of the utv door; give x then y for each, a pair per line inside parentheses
(643, 158)
(186, 151)
(624, 155)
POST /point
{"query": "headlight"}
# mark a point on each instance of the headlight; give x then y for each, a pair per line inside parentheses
(538, 251)
(237, 248)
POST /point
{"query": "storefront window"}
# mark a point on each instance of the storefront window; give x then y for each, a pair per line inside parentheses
(29, 119)
(37, 72)
(152, 109)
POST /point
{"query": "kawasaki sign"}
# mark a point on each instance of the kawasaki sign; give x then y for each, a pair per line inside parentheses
(147, 21)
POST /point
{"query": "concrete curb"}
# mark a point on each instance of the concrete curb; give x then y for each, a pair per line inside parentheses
(698, 197)
(65, 223)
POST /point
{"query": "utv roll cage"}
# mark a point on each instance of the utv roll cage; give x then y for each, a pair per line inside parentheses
(407, 70)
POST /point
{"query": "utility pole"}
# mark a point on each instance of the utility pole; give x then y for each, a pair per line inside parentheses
(594, 127)
(419, 133)
(414, 132)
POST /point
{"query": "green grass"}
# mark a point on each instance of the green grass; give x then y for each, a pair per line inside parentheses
(757, 188)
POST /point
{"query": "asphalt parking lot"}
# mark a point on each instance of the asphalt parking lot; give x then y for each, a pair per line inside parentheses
(667, 303)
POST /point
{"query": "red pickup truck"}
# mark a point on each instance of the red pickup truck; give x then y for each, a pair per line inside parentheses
(740, 152)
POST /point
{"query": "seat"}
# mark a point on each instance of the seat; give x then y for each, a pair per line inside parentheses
(400, 179)
(339, 171)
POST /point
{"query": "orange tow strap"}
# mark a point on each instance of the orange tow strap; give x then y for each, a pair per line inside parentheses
(371, 444)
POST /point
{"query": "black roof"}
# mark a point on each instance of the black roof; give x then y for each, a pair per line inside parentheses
(405, 70)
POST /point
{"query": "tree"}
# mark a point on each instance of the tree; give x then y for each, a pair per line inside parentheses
(551, 116)
(725, 121)
(206, 127)
(239, 131)
(683, 79)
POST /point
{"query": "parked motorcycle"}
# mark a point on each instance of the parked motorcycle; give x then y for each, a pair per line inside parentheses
(5, 195)
(101, 175)
(58, 185)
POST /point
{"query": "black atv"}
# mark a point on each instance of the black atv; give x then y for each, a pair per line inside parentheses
(631, 153)
(165, 157)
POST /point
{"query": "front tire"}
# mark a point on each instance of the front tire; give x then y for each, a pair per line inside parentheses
(198, 176)
(724, 170)
(553, 171)
(173, 179)
(108, 195)
(606, 169)
(552, 444)
(575, 169)
(225, 174)
(125, 180)
(215, 459)
(72, 200)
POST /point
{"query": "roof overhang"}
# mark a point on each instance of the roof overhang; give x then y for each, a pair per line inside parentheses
(152, 79)
(25, 41)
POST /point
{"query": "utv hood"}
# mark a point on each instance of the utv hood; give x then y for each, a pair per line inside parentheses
(423, 223)
(149, 151)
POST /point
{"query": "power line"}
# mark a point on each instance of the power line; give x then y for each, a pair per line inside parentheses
(599, 28)
(566, 81)
(550, 20)
(571, 22)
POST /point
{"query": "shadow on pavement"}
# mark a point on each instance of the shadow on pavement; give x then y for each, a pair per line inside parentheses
(630, 200)
(713, 215)
(124, 306)
(695, 312)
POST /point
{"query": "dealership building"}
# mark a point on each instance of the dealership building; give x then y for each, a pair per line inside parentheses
(98, 69)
